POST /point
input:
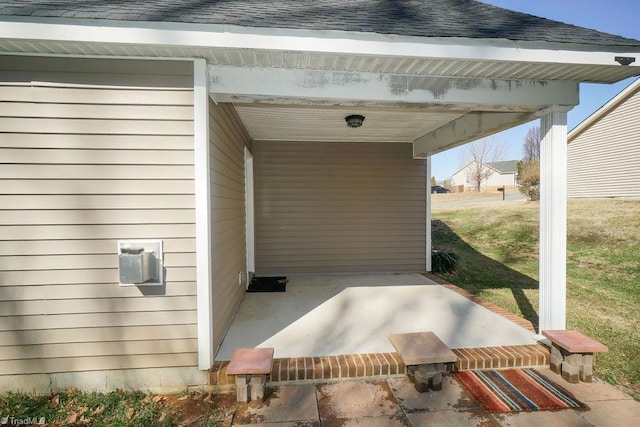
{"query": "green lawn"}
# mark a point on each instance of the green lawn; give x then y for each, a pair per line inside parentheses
(115, 409)
(497, 246)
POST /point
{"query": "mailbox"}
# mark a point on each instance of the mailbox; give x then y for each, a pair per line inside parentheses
(140, 262)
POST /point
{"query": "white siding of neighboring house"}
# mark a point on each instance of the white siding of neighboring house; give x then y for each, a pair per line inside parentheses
(338, 207)
(93, 151)
(496, 179)
(604, 159)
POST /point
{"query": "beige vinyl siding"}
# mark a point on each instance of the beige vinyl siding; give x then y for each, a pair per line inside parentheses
(338, 207)
(228, 140)
(91, 152)
(604, 160)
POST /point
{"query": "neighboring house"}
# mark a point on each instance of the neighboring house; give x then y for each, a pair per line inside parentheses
(604, 150)
(500, 174)
(219, 130)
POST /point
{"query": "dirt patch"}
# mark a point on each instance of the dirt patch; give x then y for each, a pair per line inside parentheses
(249, 413)
(196, 409)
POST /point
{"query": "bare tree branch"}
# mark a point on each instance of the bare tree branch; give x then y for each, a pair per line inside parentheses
(479, 155)
(531, 146)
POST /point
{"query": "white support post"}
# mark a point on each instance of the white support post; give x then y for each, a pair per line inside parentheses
(204, 268)
(428, 216)
(250, 225)
(553, 218)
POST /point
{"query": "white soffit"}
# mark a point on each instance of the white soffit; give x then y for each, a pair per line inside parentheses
(318, 50)
(441, 67)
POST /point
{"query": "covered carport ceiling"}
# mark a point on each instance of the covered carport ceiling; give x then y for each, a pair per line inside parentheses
(327, 124)
(432, 112)
(435, 95)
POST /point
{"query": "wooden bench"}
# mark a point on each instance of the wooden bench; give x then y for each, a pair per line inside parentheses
(426, 358)
(572, 354)
(251, 366)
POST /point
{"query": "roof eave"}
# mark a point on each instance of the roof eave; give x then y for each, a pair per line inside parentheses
(180, 36)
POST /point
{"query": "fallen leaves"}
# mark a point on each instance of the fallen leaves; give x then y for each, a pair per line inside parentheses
(129, 414)
(74, 408)
(99, 410)
(54, 401)
(77, 417)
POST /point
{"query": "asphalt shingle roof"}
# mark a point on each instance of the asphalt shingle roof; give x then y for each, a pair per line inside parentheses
(424, 18)
(507, 166)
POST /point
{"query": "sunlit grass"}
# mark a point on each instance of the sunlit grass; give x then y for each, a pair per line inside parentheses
(497, 246)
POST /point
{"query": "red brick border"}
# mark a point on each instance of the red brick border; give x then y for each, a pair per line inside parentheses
(385, 364)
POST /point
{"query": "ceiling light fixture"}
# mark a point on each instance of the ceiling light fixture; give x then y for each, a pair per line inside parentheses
(354, 120)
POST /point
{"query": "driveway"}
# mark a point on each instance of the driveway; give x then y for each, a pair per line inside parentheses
(466, 199)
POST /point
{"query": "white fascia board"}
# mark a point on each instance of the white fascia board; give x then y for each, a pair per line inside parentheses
(428, 238)
(204, 267)
(233, 84)
(466, 129)
(605, 109)
(336, 42)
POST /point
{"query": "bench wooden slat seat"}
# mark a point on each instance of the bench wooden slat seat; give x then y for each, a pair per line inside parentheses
(427, 358)
(572, 354)
(251, 366)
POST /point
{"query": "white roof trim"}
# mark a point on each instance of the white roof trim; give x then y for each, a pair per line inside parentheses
(204, 265)
(483, 164)
(630, 90)
(337, 42)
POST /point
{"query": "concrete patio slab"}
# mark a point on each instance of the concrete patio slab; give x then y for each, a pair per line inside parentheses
(357, 399)
(286, 424)
(594, 391)
(367, 422)
(451, 397)
(453, 418)
(613, 413)
(287, 404)
(323, 315)
(543, 418)
(395, 402)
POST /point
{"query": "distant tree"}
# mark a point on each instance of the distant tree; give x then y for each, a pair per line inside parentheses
(479, 155)
(531, 146)
(529, 167)
(529, 179)
(433, 180)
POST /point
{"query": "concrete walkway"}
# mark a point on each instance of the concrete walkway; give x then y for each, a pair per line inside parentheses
(395, 402)
(328, 315)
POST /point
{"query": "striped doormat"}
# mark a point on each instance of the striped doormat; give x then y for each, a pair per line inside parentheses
(514, 390)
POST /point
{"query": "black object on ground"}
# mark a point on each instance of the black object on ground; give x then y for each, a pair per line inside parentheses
(268, 284)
